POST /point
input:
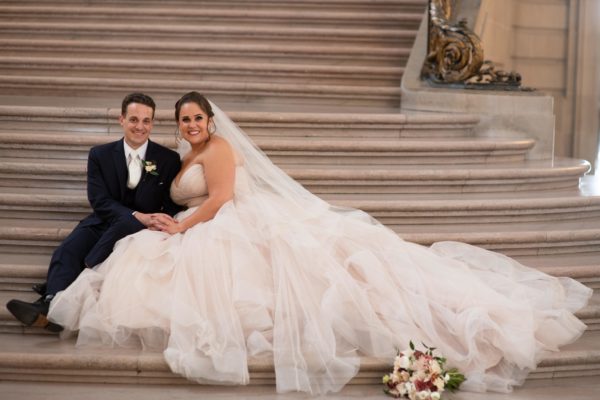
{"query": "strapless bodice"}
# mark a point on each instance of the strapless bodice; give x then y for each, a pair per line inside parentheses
(191, 189)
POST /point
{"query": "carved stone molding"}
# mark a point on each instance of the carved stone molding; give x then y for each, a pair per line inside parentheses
(455, 55)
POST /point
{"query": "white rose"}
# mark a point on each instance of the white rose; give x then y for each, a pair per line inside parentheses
(404, 376)
(439, 383)
(402, 362)
(435, 367)
(423, 394)
(401, 388)
(411, 390)
(435, 396)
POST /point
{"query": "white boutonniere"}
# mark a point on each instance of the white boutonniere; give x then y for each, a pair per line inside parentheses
(150, 167)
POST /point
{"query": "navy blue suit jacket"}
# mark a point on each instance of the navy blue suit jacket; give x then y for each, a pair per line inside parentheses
(107, 182)
(92, 241)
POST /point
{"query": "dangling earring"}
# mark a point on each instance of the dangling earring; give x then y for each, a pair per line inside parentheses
(212, 128)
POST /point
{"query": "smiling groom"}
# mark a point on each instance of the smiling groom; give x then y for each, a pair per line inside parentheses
(128, 181)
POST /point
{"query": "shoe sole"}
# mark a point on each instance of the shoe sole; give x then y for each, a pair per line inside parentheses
(29, 318)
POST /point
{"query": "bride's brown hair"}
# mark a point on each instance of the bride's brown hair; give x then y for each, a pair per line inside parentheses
(193, 97)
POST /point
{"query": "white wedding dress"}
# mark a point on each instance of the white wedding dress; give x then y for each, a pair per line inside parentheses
(285, 276)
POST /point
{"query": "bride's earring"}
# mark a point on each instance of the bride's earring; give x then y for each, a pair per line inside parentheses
(177, 136)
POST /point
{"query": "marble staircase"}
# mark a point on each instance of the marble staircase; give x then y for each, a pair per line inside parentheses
(316, 85)
(251, 50)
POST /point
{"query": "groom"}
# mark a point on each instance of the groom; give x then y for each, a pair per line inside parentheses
(128, 183)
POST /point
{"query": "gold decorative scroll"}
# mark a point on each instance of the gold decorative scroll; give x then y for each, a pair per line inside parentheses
(455, 54)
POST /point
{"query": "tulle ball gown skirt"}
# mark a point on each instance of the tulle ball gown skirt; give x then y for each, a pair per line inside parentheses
(312, 290)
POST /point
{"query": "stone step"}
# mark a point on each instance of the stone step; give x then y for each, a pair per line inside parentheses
(153, 14)
(585, 387)
(261, 33)
(30, 119)
(200, 70)
(525, 176)
(470, 209)
(220, 91)
(321, 5)
(590, 314)
(19, 271)
(316, 53)
(38, 236)
(45, 358)
(405, 210)
(585, 267)
(333, 151)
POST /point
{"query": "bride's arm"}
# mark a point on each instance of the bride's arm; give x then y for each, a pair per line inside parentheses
(219, 172)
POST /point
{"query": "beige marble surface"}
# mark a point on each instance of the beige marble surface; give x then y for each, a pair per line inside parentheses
(563, 389)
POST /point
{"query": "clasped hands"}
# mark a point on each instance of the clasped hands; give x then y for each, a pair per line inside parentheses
(160, 222)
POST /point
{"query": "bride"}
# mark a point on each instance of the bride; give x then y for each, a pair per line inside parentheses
(257, 266)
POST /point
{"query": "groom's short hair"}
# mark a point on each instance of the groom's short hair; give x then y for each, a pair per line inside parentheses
(139, 98)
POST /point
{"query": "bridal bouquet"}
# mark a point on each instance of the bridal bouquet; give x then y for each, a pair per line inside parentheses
(419, 375)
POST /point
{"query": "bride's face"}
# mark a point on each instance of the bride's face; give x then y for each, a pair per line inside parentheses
(193, 123)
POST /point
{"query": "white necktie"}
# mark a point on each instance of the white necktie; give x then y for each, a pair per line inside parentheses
(135, 170)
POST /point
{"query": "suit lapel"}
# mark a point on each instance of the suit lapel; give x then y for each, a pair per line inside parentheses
(120, 165)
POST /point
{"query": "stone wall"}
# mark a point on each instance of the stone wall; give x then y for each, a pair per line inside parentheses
(553, 44)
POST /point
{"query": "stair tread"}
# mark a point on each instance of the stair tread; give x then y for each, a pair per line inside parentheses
(389, 203)
(277, 11)
(386, 200)
(533, 231)
(552, 230)
(591, 311)
(247, 113)
(585, 261)
(30, 260)
(555, 261)
(450, 143)
(195, 29)
(106, 104)
(182, 84)
(26, 62)
(516, 169)
(213, 46)
(586, 388)
(28, 350)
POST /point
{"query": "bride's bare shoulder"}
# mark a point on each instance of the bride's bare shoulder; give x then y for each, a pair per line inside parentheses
(219, 148)
(219, 144)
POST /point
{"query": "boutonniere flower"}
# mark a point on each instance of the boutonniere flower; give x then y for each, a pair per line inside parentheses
(150, 167)
(420, 375)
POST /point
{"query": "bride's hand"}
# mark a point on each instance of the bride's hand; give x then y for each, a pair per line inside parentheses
(166, 223)
(154, 221)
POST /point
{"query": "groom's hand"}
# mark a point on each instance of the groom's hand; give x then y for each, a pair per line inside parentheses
(160, 221)
(168, 224)
(150, 221)
(145, 219)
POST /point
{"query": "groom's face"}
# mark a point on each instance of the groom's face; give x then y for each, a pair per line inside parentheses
(137, 124)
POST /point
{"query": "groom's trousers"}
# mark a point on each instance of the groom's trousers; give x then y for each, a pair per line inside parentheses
(86, 246)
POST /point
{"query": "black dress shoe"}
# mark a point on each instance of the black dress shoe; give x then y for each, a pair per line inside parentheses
(40, 288)
(33, 314)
